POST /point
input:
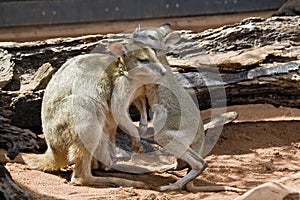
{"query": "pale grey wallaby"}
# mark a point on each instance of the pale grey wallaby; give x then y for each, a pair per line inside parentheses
(177, 123)
(76, 117)
(182, 123)
(159, 39)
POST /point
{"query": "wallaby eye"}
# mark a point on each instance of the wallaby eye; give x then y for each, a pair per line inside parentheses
(151, 37)
(143, 60)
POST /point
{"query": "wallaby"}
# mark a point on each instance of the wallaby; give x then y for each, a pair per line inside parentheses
(76, 117)
(159, 39)
(178, 128)
(177, 124)
(183, 120)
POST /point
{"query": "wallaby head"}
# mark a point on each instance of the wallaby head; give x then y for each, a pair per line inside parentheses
(138, 61)
(157, 38)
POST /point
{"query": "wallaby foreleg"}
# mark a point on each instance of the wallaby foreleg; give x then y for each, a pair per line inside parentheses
(140, 104)
(134, 134)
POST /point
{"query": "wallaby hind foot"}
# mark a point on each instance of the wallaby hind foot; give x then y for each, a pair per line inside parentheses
(197, 165)
(82, 176)
(212, 188)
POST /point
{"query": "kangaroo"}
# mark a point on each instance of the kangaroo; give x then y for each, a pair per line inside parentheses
(76, 116)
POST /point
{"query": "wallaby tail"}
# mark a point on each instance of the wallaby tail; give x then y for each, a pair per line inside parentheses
(219, 120)
(43, 162)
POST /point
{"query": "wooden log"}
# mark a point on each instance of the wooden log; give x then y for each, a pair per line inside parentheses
(6, 68)
(15, 140)
(23, 108)
(9, 190)
(254, 61)
(277, 85)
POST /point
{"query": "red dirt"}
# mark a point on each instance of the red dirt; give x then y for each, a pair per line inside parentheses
(247, 154)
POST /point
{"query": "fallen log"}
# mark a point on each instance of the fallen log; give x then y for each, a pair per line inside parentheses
(276, 85)
(9, 189)
(22, 108)
(254, 61)
(13, 140)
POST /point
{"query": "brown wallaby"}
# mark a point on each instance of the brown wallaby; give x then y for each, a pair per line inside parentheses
(76, 117)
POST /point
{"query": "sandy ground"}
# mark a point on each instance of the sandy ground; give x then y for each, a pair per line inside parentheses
(261, 145)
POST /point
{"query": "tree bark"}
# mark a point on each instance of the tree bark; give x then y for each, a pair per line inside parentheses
(254, 61)
(9, 190)
(13, 140)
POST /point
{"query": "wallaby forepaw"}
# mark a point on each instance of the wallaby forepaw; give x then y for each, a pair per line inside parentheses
(138, 149)
(136, 145)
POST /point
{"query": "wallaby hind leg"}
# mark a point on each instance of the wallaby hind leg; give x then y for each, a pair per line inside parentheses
(188, 181)
(197, 164)
(82, 176)
(81, 171)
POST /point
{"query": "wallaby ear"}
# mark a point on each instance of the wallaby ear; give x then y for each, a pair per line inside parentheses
(117, 49)
(138, 28)
(165, 28)
(171, 38)
(166, 25)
